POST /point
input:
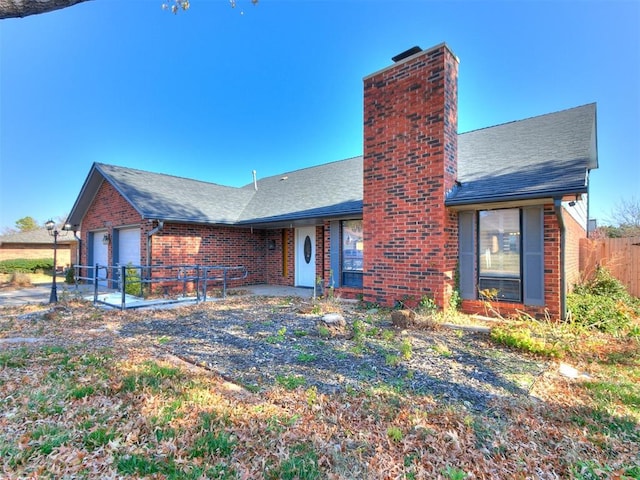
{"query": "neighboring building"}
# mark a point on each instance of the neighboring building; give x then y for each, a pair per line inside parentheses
(423, 212)
(37, 244)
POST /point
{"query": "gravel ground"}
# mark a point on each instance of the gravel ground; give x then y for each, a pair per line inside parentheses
(261, 342)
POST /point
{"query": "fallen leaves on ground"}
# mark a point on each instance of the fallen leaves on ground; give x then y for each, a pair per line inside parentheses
(79, 401)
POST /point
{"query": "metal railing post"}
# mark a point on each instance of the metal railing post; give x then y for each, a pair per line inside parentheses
(206, 277)
(197, 283)
(123, 276)
(224, 282)
(95, 285)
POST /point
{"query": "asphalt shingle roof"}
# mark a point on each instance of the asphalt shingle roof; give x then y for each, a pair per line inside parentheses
(328, 190)
(167, 197)
(40, 236)
(538, 157)
(533, 158)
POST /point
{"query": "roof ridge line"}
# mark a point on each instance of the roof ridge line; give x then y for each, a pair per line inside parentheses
(282, 174)
(180, 177)
(527, 118)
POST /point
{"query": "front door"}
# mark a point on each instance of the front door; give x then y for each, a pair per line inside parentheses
(305, 256)
(100, 256)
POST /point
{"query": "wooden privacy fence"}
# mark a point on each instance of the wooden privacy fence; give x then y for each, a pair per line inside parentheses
(621, 256)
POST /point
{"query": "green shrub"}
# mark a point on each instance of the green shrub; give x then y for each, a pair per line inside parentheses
(603, 303)
(604, 284)
(455, 302)
(394, 433)
(427, 305)
(359, 329)
(69, 276)
(133, 284)
(522, 338)
(290, 382)
(26, 265)
(596, 311)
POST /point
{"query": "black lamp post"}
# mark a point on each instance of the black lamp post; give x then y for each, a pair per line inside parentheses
(53, 231)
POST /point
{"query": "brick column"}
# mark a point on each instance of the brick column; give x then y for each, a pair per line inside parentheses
(410, 162)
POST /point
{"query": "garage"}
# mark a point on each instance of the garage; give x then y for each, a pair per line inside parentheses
(128, 248)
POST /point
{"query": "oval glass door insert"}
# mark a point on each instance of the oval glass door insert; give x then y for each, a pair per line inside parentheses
(307, 249)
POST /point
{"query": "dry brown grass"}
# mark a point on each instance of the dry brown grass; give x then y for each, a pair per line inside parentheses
(84, 401)
(23, 280)
(19, 280)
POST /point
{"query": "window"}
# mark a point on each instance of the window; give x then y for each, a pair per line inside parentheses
(352, 253)
(503, 249)
(499, 259)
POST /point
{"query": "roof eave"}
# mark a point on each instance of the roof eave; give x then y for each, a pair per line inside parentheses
(523, 199)
(119, 190)
(593, 150)
(293, 220)
(75, 216)
(190, 221)
(88, 193)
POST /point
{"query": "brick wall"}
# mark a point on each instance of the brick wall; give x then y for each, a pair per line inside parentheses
(279, 266)
(268, 254)
(185, 244)
(108, 211)
(574, 232)
(552, 298)
(410, 161)
(321, 266)
(279, 263)
(31, 251)
(326, 252)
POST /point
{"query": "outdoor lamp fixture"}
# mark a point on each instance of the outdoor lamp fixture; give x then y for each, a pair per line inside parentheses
(53, 231)
(106, 238)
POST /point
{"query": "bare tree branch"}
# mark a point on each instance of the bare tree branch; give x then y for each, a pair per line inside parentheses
(24, 8)
(626, 216)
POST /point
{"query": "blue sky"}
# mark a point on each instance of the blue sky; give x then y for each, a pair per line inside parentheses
(214, 94)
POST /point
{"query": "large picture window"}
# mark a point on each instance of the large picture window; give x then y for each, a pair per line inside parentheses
(499, 259)
(352, 253)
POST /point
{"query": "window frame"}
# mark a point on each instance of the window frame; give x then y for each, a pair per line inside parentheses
(510, 286)
(351, 277)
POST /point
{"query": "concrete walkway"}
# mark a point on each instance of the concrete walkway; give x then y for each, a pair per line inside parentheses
(41, 293)
(274, 291)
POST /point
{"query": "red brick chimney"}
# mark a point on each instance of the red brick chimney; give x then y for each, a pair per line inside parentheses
(410, 162)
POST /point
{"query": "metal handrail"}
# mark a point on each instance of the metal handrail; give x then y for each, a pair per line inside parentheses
(119, 276)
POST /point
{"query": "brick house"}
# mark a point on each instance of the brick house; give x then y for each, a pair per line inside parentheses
(425, 211)
(37, 244)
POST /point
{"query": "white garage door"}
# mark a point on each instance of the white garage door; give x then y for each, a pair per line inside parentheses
(129, 246)
(100, 255)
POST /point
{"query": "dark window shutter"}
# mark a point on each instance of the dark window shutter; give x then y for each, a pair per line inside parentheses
(533, 255)
(90, 252)
(467, 254)
(334, 253)
(115, 245)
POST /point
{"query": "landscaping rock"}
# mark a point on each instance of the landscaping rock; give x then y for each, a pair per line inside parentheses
(570, 372)
(230, 338)
(403, 318)
(426, 322)
(334, 319)
(332, 323)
